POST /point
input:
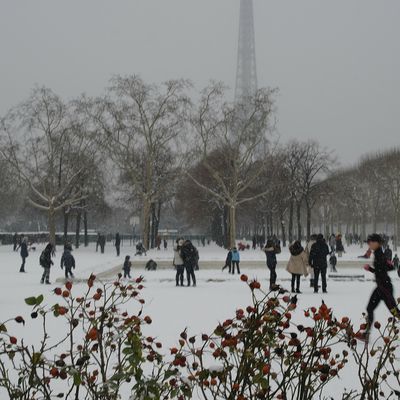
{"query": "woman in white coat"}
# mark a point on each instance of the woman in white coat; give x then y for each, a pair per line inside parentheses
(297, 264)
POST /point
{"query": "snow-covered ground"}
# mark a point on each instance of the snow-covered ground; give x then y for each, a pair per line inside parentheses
(215, 298)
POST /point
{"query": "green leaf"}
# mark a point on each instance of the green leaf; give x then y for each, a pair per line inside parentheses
(30, 301)
(39, 300)
(3, 328)
(36, 358)
(77, 379)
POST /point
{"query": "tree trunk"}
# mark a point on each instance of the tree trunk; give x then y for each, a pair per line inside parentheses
(66, 220)
(232, 226)
(52, 225)
(85, 227)
(225, 222)
(298, 213)
(153, 224)
(146, 222)
(291, 212)
(78, 229)
(308, 220)
(283, 232)
(396, 230)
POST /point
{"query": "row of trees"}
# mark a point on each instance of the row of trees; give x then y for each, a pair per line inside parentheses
(208, 164)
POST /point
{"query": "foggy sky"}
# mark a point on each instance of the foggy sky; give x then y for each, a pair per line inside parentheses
(336, 63)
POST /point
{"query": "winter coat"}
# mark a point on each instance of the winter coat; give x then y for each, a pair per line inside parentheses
(127, 266)
(271, 257)
(333, 260)
(339, 245)
(228, 260)
(381, 268)
(177, 255)
(117, 240)
(235, 256)
(298, 264)
(24, 250)
(45, 258)
(318, 254)
(67, 260)
(189, 254)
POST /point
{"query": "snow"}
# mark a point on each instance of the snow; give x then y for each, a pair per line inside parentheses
(199, 309)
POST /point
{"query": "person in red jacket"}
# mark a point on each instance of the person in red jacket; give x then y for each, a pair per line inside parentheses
(384, 289)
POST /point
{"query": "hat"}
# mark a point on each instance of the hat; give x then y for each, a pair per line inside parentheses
(374, 237)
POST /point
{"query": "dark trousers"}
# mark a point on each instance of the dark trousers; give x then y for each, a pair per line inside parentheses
(385, 293)
(127, 273)
(46, 274)
(68, 272)
(180, 269)
(235, 264)
(317, 273)
(296, 281)
(272, 275)
(118, 248)
(22, 269)
(191, 277)
(226, 266)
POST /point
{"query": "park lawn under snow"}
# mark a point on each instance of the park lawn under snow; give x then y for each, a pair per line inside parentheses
(173, 309)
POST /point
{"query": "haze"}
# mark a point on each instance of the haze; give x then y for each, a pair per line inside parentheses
(336, 63)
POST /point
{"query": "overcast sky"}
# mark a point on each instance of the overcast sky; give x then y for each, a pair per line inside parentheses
(336, 63)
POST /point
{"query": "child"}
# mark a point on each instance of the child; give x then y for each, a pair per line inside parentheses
(68, 261)
(127, 267)
(384, 289)
(333, 262)
(235, 260)
(396, 264)
(228, 261)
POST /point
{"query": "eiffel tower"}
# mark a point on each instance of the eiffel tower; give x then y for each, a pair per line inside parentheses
(246, 73)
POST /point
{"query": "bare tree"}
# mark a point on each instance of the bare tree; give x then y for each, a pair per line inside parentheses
(388, 165)
(313, 166)
(39, 143)
(139, 122)
(239, 133)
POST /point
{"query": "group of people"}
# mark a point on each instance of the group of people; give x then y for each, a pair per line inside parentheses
(186, 258)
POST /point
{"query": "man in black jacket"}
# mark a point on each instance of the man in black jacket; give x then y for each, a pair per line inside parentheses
(384, 289)
(317, 260)
(190, 258)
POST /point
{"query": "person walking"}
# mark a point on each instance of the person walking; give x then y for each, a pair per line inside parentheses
(15, 241)
(127, 267)
(68, 261)
(317, 260)
(178, 262)
(333, 261)
(332, 242)
(190, 259)
(339, 245)
(228, 261)
(396, 264)
(388, 253)
(313, 239)
(24, 253)
(46, 262)
(235, 260)
(118, 243)
(297, 265)
(270, 252)
(384, 287)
